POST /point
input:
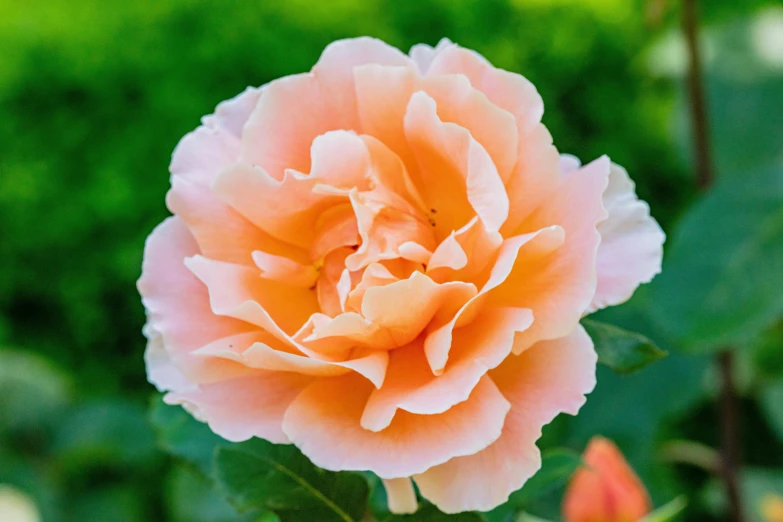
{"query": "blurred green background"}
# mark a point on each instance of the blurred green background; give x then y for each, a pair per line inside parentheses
(94, 95)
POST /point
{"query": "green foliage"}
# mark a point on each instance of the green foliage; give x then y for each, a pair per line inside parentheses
(260, 475)
(724, 270)
(621, 350)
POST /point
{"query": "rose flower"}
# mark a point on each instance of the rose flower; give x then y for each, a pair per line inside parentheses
(384, 262)
(606, 489)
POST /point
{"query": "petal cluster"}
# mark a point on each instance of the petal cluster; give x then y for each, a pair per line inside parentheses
(384, 262)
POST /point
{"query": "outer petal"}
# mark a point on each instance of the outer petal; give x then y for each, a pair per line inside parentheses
(178, 307)
(559, 287)
(631, 243)
(201, 154)
(411, 444)
(549, 378)
(335, 67)
(239, 409)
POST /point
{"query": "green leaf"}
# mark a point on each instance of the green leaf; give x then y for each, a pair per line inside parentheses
(621, 350)
(179, 434)
(259, 475)
(192, 498)
(557, 466)
(667, 512)
(429, 513)
(721, 281)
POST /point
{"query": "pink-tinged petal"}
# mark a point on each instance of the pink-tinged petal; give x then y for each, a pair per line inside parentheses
(423, 54)
(178, 307)
(285, 270)
(569, 163)
(492, 127)
(401, 496)
(411, 386)
(334, 70)
(549, 378)
(631, 243)
(560, 286)
(252, 406)
(232, 114)
(160, 368)
(458, 178)
(203, 153)
(220, 231)
(410, 445)
(231, 286)
(509, 91)
(437, 344)
(261, 350)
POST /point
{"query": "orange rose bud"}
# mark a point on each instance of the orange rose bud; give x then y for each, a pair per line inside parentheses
(606, 489)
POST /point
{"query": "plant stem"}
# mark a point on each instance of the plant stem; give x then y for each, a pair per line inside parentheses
(729, 431)
(729, 403)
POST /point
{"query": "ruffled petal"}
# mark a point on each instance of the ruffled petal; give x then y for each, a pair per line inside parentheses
(411, 386)
(559, 286)
(631, 247)
(549, 378)
(458, 178)
(231, 286)
(410, 445)
(334, 70)
(437, 344)
(261, 350)
(395, 314)
(178, 309)
(220, 231)
(239, 409)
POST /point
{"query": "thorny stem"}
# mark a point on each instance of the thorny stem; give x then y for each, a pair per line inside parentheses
(729, 403)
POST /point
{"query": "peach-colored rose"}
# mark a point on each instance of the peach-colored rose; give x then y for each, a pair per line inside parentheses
(384, 262)
(606, 489)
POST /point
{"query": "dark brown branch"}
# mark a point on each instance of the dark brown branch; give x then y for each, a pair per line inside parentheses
(729, 434)
(729, 403)
(699, 124)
